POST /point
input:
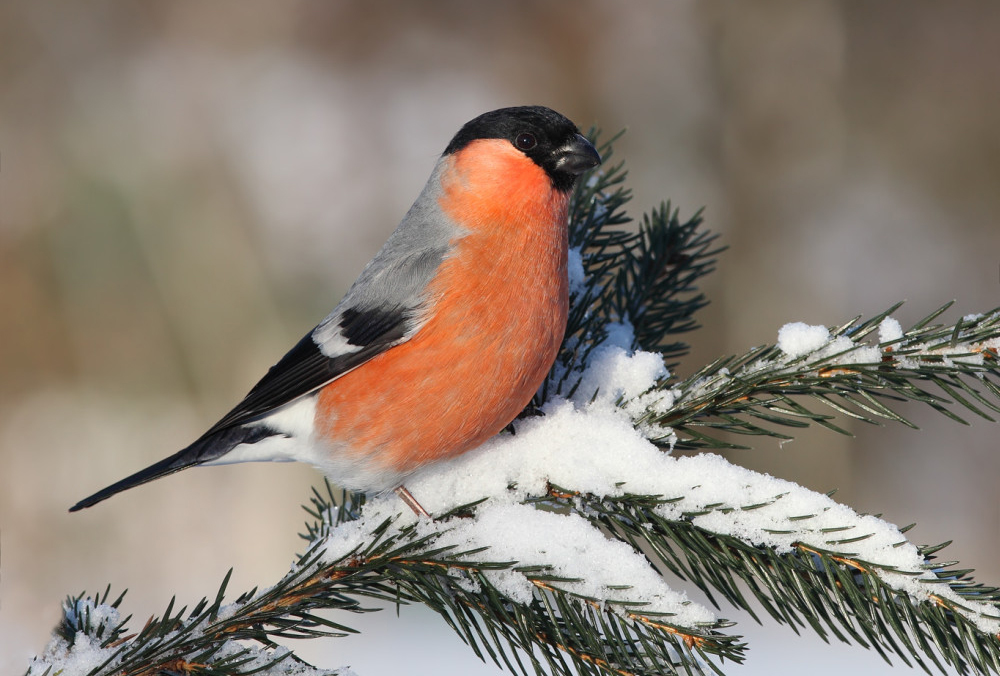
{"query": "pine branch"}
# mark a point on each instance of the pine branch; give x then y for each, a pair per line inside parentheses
(747, 395)
(825, 587)
(558, 631)
(655, 290)
(572, 632)
(645, 278)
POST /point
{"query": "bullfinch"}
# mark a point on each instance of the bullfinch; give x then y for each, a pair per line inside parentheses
(445, 336)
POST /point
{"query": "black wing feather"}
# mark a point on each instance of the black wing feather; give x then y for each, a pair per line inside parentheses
(305, 368)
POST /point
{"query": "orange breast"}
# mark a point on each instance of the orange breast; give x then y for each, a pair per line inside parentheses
(496, 320)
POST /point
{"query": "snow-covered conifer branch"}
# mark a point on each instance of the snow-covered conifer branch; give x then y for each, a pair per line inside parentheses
(92, 638)
(524, 616)
(550, 546)
(844, 372)
(867, 586)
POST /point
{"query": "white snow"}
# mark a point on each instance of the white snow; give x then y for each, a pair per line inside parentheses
(574, 550)
(85, 654)
(575, 270)
(82, 658)
(614, 373)
(889, 329)
(798, 338)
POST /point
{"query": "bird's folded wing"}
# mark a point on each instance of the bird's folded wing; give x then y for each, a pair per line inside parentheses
(350, 338)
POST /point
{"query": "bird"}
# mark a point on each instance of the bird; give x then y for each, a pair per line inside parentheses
(445, 336)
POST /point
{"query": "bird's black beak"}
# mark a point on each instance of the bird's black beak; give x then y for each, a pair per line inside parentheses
(577, 156)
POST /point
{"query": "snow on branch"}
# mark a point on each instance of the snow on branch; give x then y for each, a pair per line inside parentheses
(844, 372)
(588, 455)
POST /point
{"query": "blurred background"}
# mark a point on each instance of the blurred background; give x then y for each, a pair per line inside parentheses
(187, 188)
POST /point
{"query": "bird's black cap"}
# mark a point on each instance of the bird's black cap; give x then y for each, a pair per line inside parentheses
(551, 140)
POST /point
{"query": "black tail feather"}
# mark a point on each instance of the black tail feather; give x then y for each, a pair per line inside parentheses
(203, 450)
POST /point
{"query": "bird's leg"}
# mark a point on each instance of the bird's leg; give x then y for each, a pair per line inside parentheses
(411, 502)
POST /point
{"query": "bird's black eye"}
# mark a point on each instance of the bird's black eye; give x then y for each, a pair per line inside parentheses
(525, 141)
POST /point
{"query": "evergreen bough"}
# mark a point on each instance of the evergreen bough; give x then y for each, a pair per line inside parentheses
(645, 278)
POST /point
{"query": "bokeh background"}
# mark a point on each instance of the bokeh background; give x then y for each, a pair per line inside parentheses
(186, 188)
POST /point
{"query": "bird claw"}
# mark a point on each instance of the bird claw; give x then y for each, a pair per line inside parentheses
(411, 502)
(530, 411)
